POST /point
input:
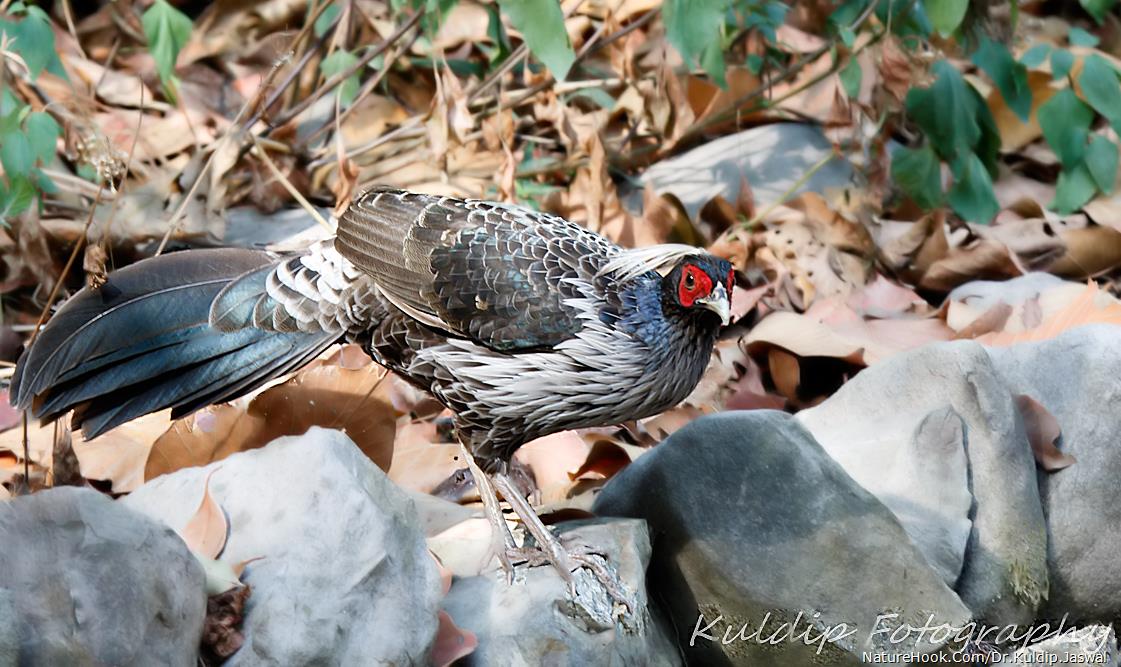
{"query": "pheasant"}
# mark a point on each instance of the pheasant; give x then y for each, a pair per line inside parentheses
(520, 322)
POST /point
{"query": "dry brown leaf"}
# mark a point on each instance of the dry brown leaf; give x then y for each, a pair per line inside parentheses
(551, 458)
(1043, 433)
(420, 462)
(991, 320)
(1014, 133)
(324, 393)
(1092, 306)
(452, 642)
(785, 372)
(605, 459)
(206, 531)
(221, 633)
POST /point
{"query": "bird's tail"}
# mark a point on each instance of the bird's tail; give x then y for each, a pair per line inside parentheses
(142, 342)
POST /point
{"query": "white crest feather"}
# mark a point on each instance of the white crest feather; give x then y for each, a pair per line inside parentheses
(634, 262)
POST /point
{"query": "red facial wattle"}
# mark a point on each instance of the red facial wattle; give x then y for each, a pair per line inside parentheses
(694, 284)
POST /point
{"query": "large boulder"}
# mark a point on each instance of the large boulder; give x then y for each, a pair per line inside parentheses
(344, 576)
(1076, 377)
(763, 544)
(936, 435)
(88, 581)
(534, 622)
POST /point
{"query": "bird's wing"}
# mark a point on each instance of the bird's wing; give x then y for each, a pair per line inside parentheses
(501, 275)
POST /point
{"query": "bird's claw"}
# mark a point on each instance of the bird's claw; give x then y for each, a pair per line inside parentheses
(567, 559)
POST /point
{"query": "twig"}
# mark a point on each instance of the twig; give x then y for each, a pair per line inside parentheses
(329, 84)
(235, 127)
(789, 193)
(365, 91)
(260, 152)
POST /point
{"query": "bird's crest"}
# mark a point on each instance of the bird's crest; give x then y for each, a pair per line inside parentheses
(634, 262)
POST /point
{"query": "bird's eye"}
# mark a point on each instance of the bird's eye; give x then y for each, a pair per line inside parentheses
(689, 281)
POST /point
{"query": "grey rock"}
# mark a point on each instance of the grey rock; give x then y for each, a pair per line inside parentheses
(1091, 645)
(9, 630)
(92, 582)
(754, 525)
(873, 427)
(344, 576)
(532, 623)
(1075, 376)
(771, 158)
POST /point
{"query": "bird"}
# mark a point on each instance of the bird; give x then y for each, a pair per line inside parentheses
(520, 322)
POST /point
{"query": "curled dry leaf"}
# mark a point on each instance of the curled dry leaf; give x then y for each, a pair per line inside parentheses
(221, 632)
(1043, 433)
(1092, 306)
(207, 529)
(606, 458)
(452, 642)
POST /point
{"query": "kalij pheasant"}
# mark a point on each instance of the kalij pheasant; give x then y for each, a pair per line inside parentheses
(522, 323)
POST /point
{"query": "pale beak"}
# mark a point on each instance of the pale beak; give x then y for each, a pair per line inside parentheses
(718, 303)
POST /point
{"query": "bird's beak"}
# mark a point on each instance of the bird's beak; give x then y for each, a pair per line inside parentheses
(719, 303)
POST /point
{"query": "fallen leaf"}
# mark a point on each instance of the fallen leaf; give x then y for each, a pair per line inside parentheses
(1043, 434)
(221, 632)
(207, 529)
(452, 642)
(1092, 306)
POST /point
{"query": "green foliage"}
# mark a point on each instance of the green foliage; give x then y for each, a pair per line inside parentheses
(962, 133)
(33, 40)
(946, 15)
(919, 173)
(167, 30)
(1010, 77)
(541, 23)
(972, 196)
(26, 139)
(1061, 62)
(1101, 160)
(851, 76)
(1100, 86)
(326, 19)
(337, 63)
(1097, 8)
(1079, 37)
(1065, 120)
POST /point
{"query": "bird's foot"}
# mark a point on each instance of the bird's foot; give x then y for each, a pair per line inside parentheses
(594, 588)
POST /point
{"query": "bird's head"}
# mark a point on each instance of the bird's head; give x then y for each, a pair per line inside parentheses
(700, 285)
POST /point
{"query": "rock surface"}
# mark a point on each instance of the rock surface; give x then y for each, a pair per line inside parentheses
(344, 575)
(531, 623)
(1092, 645)
(935, 434)
(89, 581)
(753, 524)
(1075, 376)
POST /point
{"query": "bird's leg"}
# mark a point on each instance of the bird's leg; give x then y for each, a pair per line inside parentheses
(563, 560)
(501, 539)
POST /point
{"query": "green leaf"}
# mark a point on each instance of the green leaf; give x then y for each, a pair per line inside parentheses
(919, 173)
(1101, 88)
(692, 25)
(1097, 8)
(1065, 120)
(988, 147)
(167, 30)
(541, 23)
(1101, 160)
(1074, 189)
(15, 154)
(851, 76)
(42, 133)
(712, 60)
(972, 196)
(945, 112)
(1010, 77)
(43, 182)
(17, 197)
(1035, 56)
(1061, 62)
(755, 63)
(946, 15)
(337, 63)
(34, 41)
(1079, 37)
(323, 23)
